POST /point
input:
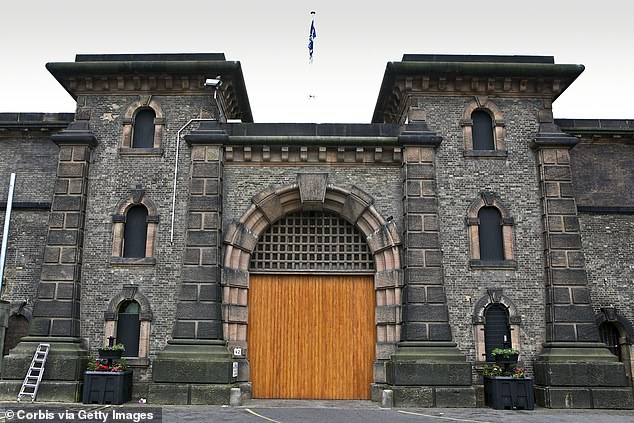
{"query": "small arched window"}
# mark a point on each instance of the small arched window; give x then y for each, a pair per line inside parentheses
(143, 129)
(483, 138)
(135, 234)
(129, 328)
(490, 234)
(497, 331)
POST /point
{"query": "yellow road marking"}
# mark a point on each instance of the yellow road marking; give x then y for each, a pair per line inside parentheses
(444, 418)
(261, 416)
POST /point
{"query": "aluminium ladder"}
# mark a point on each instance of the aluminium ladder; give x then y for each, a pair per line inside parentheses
(34, 375)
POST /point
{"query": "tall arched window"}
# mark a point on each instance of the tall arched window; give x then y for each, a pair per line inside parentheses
(143, 129)
(129, 328)
(490, 234)
(490, 227)
(483, 138)
(497, 331)
(134, 230)
(135, 234)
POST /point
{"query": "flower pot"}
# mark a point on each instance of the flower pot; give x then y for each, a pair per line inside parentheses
(112, 354)
(107, 387)
(509, 393)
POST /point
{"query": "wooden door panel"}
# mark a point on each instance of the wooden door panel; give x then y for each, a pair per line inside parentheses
(311, 337)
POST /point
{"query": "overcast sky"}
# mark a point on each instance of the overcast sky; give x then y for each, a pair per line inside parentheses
(354, 42)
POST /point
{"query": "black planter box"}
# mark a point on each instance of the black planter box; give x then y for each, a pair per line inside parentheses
(506, 358)
(114, 354)
(509, 393)
(107, 387)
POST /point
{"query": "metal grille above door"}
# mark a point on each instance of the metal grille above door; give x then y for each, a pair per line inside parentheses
(312, 241)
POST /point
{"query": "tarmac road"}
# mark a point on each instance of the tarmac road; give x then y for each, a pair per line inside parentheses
(293, 411)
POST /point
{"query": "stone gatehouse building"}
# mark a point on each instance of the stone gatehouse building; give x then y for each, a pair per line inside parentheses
(321, 260)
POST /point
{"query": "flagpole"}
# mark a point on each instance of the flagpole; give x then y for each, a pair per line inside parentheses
(312, 34)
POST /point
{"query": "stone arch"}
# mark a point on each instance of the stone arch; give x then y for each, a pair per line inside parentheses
(626, 335)
(20, 315)
(130, 292)
(485, 104)
(311, 192)
(489, 199)
(143, 102)
(494, 296)
(137, 197)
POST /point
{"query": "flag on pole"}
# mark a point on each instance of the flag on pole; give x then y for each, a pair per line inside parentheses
(311, 37)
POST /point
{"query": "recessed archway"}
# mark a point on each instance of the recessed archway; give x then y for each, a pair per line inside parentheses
(311, 192)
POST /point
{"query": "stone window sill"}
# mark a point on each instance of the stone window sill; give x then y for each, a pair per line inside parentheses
(137, 361)
(493, 264)
(133, 261)
(125, 151)
(486, 154)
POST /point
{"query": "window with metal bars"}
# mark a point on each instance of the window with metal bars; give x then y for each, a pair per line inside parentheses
(312, 241)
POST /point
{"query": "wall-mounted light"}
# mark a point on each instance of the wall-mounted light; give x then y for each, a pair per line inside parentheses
(213, 82)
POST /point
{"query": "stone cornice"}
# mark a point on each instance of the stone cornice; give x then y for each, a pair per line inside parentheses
(403, 79)
(185, 77)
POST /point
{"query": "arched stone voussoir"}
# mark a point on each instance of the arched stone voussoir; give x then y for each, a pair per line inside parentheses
(241, 237)
(269, 203)
(235, 277)
(356, 203)
(129, 293)
(385, 237)
(495, 296)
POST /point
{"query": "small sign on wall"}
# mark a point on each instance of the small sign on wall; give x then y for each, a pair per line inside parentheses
(235, 369)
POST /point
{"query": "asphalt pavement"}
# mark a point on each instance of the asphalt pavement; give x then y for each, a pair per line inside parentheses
(294, 411)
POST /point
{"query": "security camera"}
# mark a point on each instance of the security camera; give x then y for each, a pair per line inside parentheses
(213, 82)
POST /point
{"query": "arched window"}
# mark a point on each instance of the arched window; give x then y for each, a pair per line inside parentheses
(483, 128)
(129, 328)
(134, 229)
(143, 129)
(497, 331)
(610, 337)
(483, 138)
(128, 318)
(135, 235)
(490, 234)
(490, 229)
(496, 323)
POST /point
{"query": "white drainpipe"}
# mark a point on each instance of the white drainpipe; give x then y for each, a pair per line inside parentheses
(5, 233)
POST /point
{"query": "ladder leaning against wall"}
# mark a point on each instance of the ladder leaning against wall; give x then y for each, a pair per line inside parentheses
(34, 374)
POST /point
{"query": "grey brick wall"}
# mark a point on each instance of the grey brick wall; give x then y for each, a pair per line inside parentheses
(241, 183)
(609, 251)
(33, 157)
(111, 177)
(515, 180)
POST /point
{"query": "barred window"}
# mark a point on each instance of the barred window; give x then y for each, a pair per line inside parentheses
(312, 241)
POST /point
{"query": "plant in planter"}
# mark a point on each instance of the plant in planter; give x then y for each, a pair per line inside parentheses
(508, 388)
(107, 381)
(111, 352)
(505, 355)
